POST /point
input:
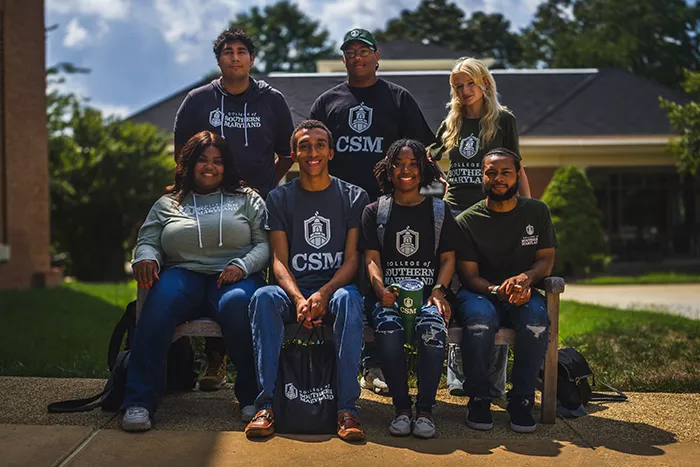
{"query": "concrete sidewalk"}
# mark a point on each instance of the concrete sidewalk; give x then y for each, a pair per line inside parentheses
(194, 429)
(679, 299)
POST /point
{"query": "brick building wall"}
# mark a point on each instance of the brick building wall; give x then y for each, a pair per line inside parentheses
(24, 183)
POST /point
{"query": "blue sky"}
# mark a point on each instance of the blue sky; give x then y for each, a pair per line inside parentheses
(141, 51)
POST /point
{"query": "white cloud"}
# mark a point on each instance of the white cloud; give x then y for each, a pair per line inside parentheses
(120, 111)
(76, 35)
(107, 9)
(189, 26)
(102, 28)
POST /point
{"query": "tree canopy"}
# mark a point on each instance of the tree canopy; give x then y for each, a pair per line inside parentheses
(286, 39)
(685, 118)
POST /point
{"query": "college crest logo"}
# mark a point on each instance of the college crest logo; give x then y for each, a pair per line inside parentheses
(407, 241)
(529, 229)
(408, 302)
(290, 391)
(469, 146)
(360, 117)
(317, 231)
(215, 117)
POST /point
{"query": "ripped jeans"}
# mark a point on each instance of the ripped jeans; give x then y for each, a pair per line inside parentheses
(480, 317)
(431, 335)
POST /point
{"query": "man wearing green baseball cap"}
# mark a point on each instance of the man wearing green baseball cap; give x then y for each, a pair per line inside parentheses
(361, 35)
(366, 114)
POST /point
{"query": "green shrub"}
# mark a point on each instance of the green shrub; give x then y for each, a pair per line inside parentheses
(577, 220)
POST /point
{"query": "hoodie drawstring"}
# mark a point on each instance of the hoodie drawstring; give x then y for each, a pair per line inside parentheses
(196, 215)
(221, 219)
(222, 117)
(221, 216)
(245, 121)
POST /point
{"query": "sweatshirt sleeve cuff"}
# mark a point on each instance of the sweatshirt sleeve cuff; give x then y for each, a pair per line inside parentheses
(239, 262)
(134, 261)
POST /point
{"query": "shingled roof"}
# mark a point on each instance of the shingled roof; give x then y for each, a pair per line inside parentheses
(579, 102)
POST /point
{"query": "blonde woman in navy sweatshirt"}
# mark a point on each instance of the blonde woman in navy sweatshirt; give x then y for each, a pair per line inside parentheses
(200, 248)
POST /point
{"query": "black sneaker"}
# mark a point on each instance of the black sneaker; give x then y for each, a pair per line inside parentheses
(479, 414)
(520, 412)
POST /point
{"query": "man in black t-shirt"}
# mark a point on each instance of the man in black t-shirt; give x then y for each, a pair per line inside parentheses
(406, 235)
(508, 245)
(366, 115)
(314, 224)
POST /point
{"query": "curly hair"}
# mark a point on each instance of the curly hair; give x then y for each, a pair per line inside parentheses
(191, 151)
(479, 72)
(429, 171)
(309, 125)
(230, 35)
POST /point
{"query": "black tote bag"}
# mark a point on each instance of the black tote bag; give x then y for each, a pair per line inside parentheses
(305, 399)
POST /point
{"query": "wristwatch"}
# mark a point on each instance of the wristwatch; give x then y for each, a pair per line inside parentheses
(494, 291)
(442, 289)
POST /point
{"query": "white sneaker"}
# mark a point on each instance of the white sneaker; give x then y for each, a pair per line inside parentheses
(423, 427)
(401, 426)
(374, 381)
(136, 419)
(247, 413)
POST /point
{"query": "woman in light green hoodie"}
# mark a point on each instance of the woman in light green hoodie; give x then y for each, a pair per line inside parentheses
(201, 248)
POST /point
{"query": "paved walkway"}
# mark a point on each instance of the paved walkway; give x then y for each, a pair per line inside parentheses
(203, 429)
(680, 299)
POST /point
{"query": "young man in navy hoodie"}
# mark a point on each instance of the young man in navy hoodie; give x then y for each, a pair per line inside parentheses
(255, 120)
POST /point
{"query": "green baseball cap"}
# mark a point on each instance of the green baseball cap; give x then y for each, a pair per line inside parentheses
(361, 35)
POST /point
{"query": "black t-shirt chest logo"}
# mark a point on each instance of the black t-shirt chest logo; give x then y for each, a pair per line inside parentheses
(529, 238)
(469, 146)
(317, 231)
(360, 117)
(407, 241)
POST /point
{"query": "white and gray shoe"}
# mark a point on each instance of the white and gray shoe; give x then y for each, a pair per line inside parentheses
(423, 427)
(401, 426)
(247, 413)
(374, 380)
(136, 419)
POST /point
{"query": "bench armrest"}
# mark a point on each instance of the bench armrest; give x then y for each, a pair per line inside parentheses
(553, 284)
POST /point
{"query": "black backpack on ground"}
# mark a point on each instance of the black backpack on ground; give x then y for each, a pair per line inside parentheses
(180, 373)
(573, 388)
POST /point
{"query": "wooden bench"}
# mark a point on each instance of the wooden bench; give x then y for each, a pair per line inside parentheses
(553, 287)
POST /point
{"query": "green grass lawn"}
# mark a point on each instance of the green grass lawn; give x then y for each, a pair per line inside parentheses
(60, 332)
(65, 332)
(651, 278)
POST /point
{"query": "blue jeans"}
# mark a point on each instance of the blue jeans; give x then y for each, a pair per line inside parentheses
(180, 295)
(370, 353)
(480, 317)
(271, 308)
(497, 363)
(431, 332)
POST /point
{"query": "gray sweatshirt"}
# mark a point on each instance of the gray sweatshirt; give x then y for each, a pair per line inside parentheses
(206, 232)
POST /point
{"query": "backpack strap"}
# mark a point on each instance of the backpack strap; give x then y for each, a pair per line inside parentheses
(80, 405)
(125, 326)
(597, 396)
(384, 204)
(438, 220)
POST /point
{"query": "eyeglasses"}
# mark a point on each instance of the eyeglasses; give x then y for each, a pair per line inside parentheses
(364, 52)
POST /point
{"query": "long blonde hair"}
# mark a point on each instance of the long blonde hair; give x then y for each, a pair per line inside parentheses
(477, 70)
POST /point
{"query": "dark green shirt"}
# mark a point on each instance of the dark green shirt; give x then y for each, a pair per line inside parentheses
(464, 175)
(504, 244)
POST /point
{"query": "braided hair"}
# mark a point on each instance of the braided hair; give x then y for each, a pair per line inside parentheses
(429, 170)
